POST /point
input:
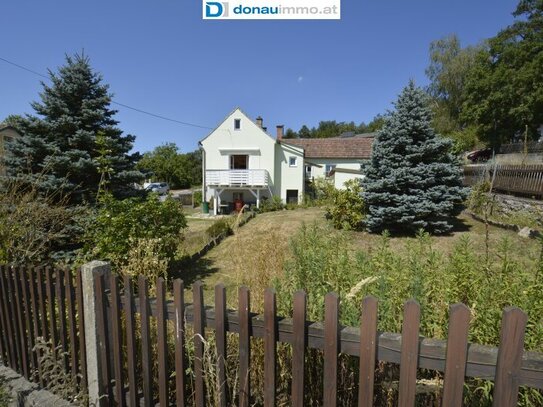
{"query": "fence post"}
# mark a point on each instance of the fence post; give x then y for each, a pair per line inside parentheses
(90, 310)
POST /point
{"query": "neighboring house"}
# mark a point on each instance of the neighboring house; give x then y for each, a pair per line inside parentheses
(241, 162)
(7, 134)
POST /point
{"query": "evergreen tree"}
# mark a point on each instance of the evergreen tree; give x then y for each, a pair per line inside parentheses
(59, 149)
(412, 180)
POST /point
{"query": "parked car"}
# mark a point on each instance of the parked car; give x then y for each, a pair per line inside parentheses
(162, 188)
(482, 155)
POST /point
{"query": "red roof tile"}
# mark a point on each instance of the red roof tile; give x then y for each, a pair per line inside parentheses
(358, 146)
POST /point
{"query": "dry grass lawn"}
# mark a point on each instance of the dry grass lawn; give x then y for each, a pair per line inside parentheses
(255, 253)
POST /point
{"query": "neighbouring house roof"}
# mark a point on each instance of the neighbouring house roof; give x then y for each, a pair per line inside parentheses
(358, 146)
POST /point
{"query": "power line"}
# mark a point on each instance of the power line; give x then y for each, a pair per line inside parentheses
(116, 103)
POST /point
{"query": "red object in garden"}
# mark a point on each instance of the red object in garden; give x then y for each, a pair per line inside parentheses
(238, 204)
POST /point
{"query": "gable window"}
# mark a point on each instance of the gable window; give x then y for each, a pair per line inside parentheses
(292, 162)
(328, 169)
(239, 162)
(237, 124)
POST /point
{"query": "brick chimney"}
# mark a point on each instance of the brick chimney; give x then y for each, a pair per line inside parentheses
(280, 129)
(259, 121)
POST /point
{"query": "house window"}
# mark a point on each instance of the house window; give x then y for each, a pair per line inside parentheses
(308, 170)
(292, 162)
(328, 169)
(239, 162)
(237, 124)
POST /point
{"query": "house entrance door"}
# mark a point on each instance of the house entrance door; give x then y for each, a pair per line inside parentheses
(239, 162)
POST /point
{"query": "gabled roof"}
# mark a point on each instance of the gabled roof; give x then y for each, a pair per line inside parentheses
(227, 117)
(358, 146)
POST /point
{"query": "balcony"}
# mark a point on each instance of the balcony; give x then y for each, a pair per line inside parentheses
(237, 178)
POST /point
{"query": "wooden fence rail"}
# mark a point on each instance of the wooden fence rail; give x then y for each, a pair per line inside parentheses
(520, 179)
(139, 364)
(508, 365)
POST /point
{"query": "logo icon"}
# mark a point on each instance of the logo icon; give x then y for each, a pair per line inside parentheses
(215, 9)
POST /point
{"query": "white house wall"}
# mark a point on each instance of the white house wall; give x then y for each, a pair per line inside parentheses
(224, 140)
(340, 178)
(289, 177)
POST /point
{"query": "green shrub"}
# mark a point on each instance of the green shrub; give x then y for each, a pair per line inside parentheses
(197, 197)
(120, 224)
(221, 227)
(323, 260)
(320, 191)
(346, 209)
(478, 197)
(271, 204)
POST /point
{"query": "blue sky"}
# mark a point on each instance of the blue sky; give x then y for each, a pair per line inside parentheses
(160, 56)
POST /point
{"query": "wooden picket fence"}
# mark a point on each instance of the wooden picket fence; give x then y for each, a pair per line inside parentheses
(34, 303)
(42, 303)
(519, 179)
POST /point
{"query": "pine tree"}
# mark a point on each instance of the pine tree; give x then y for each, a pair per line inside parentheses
(59, 148)
(412, 180)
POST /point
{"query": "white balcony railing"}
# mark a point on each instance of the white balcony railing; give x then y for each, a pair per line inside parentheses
(236, 178)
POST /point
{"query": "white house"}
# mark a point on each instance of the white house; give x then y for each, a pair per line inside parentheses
(242, 162)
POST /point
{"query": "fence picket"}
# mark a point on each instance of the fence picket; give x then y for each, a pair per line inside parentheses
(21, 323)
(270, 347)
(162, 342)
(509, 357)
(244, 316)
(179, 304)
(299, 333)
(36, 318)
(24, 276)
(61, 305)
(368, 350)
(42, 299)
(6, 335)
(331, 349)
(130, 307)
(146, 363)
(409, 354)
(457, 353)
(199, 338)
(117, 340)
(51, 307)
(72, 322)
(220, 341)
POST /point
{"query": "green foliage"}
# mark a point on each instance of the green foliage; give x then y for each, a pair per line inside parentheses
(504, 90)
(58, 149)
(332, 128)
(197, 197)
(347, 209)
(321, 190)
(37, 228)
(478, 198)
(449, 67)
(272, 204)
(412, 179)
(220, 228)
(166, 164)
(121, 224)
(322, 260)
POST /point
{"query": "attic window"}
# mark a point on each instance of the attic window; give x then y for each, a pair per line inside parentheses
(292, 162)
(237, 124)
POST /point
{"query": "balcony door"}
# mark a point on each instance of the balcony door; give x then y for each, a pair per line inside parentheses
(239, 162)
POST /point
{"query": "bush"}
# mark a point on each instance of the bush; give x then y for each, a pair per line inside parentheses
(197, 197)
(478, 197)
(221, 227)
(36, 228)
(321, 191)
(272, 204)
(347, 209)
(120, 224)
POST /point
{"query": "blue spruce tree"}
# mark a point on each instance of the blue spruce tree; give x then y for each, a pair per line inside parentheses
(59, 149)
(412, 180)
